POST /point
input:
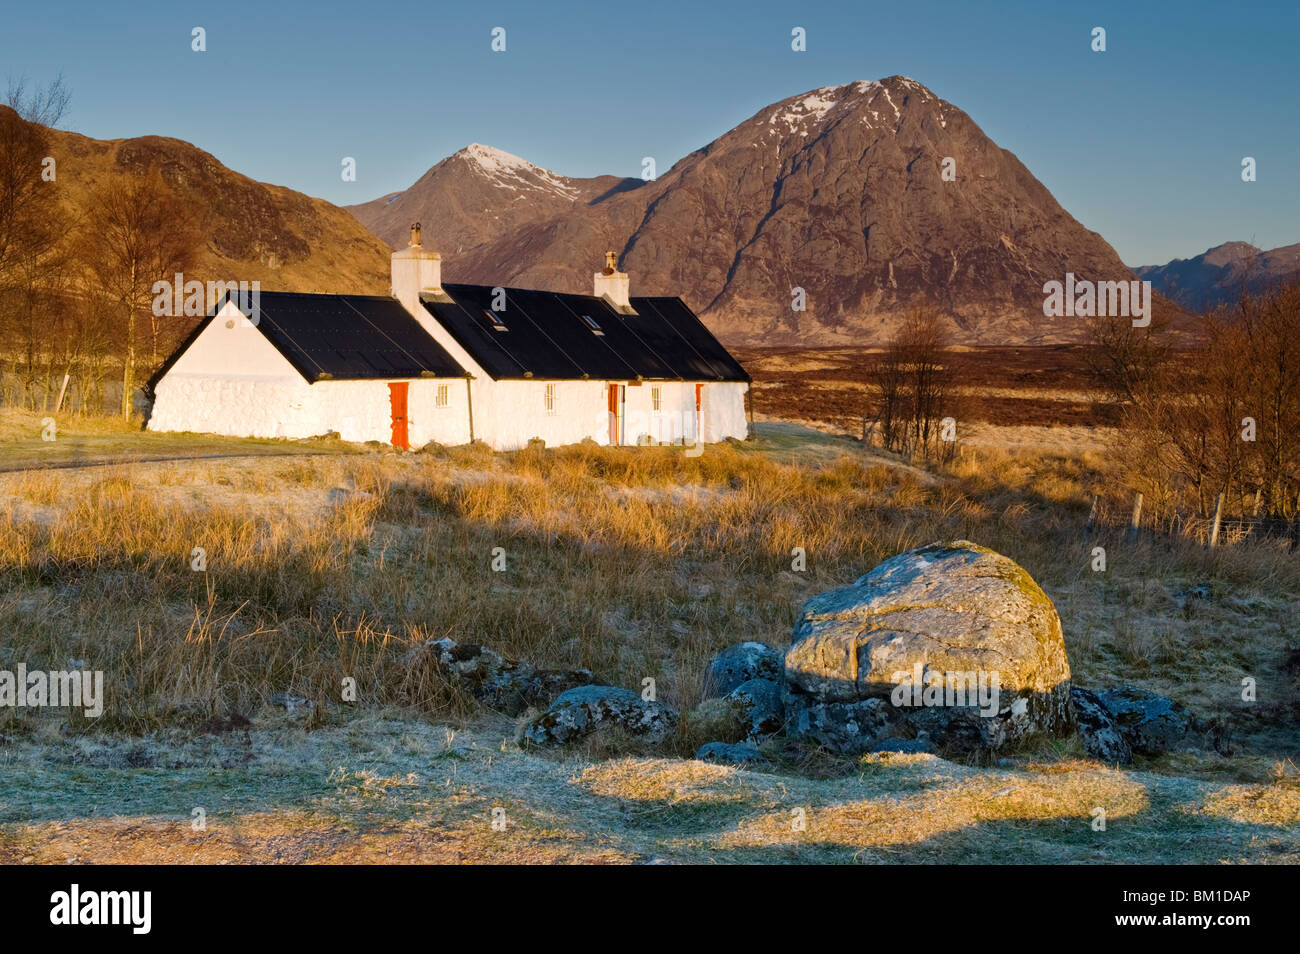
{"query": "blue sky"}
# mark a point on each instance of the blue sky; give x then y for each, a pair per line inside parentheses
(1142, 143)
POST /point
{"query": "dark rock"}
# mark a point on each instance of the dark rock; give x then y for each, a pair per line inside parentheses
(509, 687)
(1151, 724)
(738, 664)
(759, 703)
(728, 753)
(579, 712)
(846, 727)
(1101, 738)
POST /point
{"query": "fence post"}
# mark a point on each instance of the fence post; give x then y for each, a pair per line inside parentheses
(1218, 517)
(1136, 520)
(1092, 517)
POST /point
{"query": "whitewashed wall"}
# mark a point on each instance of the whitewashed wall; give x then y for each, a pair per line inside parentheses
(508, 414)
(362, 411)
(724, 411)
(232, 381)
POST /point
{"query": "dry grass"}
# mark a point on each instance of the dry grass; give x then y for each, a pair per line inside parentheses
(633, 563)
(630, 562)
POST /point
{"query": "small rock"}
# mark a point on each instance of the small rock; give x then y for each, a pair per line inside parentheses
(847, 727)
(758, 701)
(1151, 724)
(1101, 738)
(728, 753)
(579, 712)
(218, 725)
(738, 664)
(509, 687)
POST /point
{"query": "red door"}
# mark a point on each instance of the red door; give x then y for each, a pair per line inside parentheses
(397, 398)
(699, 418)
(613, 415)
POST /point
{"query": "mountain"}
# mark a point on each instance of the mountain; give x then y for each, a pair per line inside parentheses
(475, 195)
(1219, 275)
(255, 231)
(837, 191)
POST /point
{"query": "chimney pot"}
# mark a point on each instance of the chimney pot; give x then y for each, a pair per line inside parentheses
(612, 285)
(415, 270)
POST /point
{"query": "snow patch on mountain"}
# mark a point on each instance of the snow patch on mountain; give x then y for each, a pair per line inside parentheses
(511, 172)
(811, 107)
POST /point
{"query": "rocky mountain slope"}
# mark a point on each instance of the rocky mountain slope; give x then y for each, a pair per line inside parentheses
(255, 231)
(1219, 275)
(838, 191)
(477, 194)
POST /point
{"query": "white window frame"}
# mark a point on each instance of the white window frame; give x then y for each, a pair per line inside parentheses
(442, 396)
(550, 397)
(656, 398)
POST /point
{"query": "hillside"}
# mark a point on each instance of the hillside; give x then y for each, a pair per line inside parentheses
(255, 231)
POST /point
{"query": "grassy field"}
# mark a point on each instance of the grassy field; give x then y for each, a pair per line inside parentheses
(79, 441)
(1000, 396)
(336, 561)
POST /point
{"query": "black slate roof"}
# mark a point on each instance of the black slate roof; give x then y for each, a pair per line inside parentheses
(552, 335)
(343, 337)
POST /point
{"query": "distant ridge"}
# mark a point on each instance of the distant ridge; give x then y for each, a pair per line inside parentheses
(1219, 275)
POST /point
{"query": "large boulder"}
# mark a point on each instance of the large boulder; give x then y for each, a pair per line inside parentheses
(738, 664)
(1151, 724)
(958, 639)
(585, 710)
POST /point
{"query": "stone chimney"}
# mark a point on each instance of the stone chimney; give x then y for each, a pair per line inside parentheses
(416, 270)
(612, 285)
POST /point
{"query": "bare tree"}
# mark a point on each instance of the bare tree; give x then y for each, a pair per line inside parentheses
(45, 105)
(1222, 417)
(137, 233)
(912, 381)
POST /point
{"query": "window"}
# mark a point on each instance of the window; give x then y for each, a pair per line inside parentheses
(591, 323)
(655, 400)
(497, 323)
(440, 399)
(549, 398)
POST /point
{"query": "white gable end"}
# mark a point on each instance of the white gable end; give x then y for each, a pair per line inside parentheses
(231, 380)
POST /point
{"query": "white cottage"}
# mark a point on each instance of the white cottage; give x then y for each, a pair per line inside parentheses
(455, 363)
